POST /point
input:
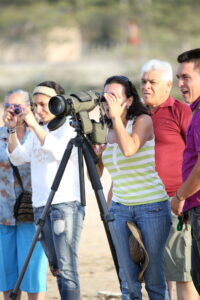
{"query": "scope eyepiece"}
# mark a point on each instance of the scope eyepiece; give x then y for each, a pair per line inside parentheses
(102, 98)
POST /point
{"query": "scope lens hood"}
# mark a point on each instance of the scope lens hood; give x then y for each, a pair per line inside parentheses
(57, 105)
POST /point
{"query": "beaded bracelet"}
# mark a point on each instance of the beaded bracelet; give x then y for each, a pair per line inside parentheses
(11, 130)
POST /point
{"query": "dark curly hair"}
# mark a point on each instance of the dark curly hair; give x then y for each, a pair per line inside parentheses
(137, 107)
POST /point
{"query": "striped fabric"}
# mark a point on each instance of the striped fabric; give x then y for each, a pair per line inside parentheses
(135, 180)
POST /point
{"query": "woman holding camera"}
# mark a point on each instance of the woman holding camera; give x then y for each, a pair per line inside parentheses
(16, 236)
(138, 194)
(44, 150)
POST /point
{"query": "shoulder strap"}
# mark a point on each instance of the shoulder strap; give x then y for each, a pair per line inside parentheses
(16, 172)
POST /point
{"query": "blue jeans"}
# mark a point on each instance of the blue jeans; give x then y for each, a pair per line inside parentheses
(195, 269)
(60, 239)
(154, 221)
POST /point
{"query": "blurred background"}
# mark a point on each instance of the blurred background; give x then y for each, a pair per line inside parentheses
(79, 43)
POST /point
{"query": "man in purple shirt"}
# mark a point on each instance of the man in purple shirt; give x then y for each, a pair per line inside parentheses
(187, 197)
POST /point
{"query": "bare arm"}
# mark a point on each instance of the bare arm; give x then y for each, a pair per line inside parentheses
(142, 131)
(10, 121)
(100, 167)
(109, 196)
(98, 149)
(31, 121)
(187, 189)
(13, 141)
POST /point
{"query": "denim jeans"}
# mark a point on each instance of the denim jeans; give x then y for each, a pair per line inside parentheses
(154, 221)
(195, 224)
(60, 239)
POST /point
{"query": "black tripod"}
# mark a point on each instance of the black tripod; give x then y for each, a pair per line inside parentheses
(84, 150)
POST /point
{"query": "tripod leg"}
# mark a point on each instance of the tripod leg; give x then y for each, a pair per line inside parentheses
(107, 218)
(81, 175)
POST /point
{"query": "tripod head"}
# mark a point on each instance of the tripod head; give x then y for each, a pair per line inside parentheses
(78, 106)
(83, 138)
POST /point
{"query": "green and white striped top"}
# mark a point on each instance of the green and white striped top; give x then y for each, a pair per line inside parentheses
(134, 178)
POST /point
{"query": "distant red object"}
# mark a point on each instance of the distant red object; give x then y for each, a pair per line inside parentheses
(133, 34)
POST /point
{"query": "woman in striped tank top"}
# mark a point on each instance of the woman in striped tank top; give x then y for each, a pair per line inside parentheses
(138, 194)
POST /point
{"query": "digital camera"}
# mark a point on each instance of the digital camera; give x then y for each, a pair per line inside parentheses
(17, 109)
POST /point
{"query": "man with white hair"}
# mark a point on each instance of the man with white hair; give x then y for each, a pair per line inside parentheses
(171, 118)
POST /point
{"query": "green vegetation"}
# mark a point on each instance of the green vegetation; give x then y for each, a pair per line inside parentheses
(162, 24)
(166, 28)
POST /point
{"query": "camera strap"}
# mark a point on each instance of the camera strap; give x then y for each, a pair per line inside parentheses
(17, 175)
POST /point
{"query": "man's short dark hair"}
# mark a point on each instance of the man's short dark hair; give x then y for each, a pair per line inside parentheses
(192, 55)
